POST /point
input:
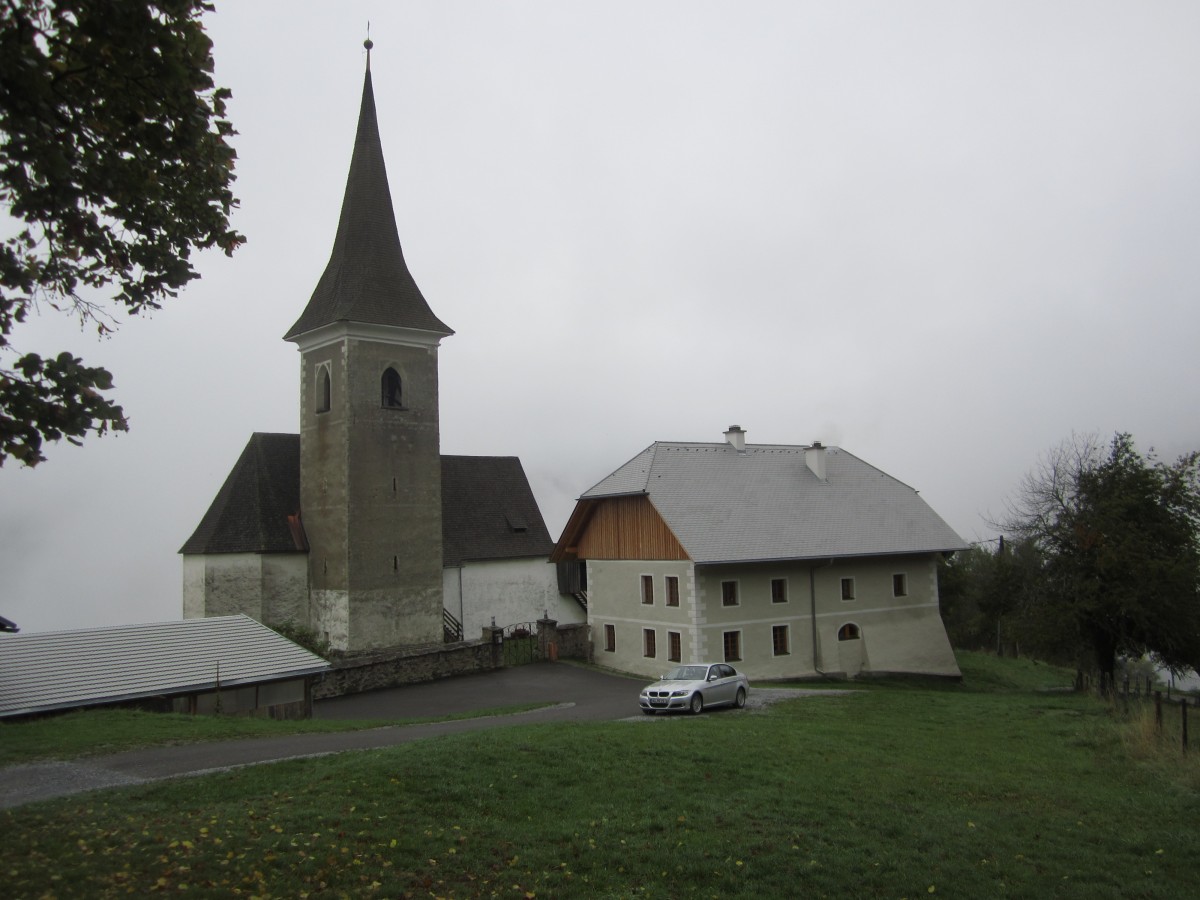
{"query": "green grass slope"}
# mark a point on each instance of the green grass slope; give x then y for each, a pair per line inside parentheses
(993, 788)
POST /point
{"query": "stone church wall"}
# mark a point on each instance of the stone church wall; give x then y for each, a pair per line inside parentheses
(271, 588)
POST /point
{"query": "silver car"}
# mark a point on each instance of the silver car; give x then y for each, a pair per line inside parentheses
(696, 686)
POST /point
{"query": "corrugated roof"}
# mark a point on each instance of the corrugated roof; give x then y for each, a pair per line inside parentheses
(367, 279)
(765, 503)
(250, 512)
(91, 666)
(489, 511)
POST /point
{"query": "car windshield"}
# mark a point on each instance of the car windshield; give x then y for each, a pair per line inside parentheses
(687, 673)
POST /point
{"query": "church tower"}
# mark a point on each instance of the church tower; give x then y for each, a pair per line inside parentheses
(370, 464)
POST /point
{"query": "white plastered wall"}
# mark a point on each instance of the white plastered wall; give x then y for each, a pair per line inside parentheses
(898, 634)
(511, 590)
(269, 587)
(615, 599)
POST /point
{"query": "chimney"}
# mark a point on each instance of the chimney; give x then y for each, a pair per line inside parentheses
(736, 438)
(814, 456)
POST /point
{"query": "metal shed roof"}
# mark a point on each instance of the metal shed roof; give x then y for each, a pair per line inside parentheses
(92, 666)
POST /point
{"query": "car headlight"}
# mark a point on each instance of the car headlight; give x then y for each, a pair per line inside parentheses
(679, 693)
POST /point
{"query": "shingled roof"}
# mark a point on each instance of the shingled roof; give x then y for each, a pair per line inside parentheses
(250, 512)
(489, 511)
(488, 508)
(366, 279)
(764, 503)
(90, 666)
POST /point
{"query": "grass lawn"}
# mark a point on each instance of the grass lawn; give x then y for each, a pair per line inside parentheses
(96, 731)
(989, 789)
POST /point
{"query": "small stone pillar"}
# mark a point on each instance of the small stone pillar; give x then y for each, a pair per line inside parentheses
(495, 637)
(547, 637)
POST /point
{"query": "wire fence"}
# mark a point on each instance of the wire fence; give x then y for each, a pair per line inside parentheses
(1145, 690)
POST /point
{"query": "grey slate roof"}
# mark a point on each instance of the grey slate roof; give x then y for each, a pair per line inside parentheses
(367, 279)
(485, 500)
(250, 512)
(489, 511)
(92, 666)
(766, 504)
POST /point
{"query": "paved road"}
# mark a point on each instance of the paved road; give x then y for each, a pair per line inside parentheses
(576, 695)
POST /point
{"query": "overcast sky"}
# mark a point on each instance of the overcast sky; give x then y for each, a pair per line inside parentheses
(941, 235)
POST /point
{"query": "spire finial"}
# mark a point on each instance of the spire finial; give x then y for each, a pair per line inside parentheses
(368, 43)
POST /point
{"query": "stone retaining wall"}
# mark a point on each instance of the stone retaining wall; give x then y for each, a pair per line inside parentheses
(353, 675)
(370, 672)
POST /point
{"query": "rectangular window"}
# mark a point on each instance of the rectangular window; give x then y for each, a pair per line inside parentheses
(779, 590)
(779, 640)
(610, 638)
(729, 593)
(847, 588)
(674, 647)
(647, 588)
(648, 648)
(732, 641)
(900, 585)
(672, 590)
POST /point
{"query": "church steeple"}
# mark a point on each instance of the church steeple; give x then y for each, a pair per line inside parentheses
(370, 456)
(367, 280)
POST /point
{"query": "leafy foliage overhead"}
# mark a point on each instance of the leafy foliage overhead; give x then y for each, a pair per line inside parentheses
(114, 167)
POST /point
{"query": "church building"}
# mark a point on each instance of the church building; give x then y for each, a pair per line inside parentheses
(359, 527)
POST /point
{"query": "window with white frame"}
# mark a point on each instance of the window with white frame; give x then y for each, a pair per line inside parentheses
(729, 593)
(900, 585)
(648, 589)
(847, 588)
(779, 590)
(780, 645)
(648, 648)
(674, 646)
(610, 638)
(732, 643)
(672, 590)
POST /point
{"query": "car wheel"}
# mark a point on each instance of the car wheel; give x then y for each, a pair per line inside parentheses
(740, 700)
(697, 704)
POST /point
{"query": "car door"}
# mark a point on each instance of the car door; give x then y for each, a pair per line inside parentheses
(722, 685)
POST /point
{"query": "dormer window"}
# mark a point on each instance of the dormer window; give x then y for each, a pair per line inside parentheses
(324, 389)
(392, 395)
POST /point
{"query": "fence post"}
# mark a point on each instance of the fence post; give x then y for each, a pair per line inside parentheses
(1158, 711)
(1183, 704)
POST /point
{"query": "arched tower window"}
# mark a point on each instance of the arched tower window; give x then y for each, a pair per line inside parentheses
(849, 632)
(324, 389)
(393, 397)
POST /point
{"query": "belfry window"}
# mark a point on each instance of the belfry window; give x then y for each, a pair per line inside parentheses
(392, 395)
(324, 392)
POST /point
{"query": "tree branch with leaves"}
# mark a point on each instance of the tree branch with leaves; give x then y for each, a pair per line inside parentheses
(1117, 535)
(115, 165)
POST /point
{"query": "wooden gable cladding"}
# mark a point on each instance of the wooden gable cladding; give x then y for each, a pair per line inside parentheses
(626, 528)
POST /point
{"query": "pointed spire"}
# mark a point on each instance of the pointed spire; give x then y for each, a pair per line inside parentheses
(367, 279)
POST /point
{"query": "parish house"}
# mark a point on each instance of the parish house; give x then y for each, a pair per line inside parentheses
(787, 561)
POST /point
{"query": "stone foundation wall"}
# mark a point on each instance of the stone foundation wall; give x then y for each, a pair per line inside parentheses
(353, 675)
(370, 672)
(574, 641)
